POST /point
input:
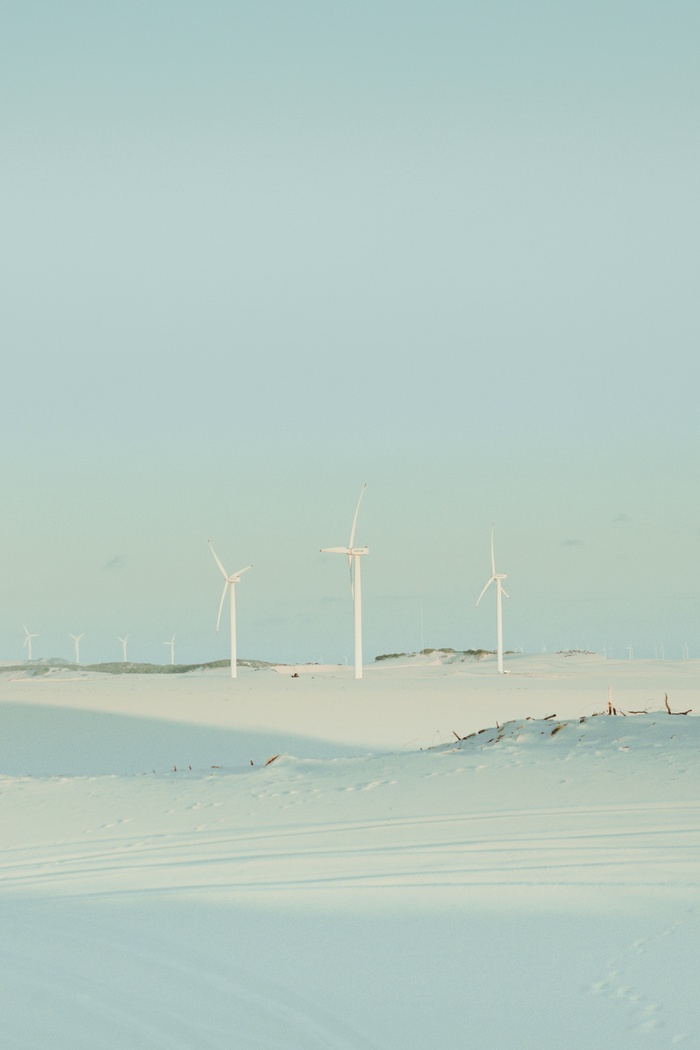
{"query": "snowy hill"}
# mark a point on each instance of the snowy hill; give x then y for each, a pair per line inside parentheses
(404, 861)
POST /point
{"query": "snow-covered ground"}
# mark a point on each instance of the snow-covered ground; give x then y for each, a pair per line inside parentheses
(387, 881)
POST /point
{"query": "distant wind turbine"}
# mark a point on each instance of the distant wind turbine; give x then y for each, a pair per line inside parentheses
(353, 555)
(171, 643)
(497, 578)
(124, 641)
(28, 641)
(76, 638)
(229, 581)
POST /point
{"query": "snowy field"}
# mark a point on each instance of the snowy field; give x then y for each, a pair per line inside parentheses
(387, 881)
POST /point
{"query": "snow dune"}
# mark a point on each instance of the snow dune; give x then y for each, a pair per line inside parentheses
(392, 878)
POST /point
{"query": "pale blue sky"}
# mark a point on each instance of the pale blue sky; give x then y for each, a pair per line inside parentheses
(256, 254)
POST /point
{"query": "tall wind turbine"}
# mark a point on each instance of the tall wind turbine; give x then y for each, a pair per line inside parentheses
(28, 641)
(76, 638)
(497, 578)
(124, 641)
(171, 643)
(229, 581)
(353, 555)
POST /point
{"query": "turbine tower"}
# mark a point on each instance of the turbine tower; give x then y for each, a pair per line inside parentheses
(124, 641)
(171, 643)
(353, 555)
(28, 641)
(76, 638)
(497, 578)
(229, 581)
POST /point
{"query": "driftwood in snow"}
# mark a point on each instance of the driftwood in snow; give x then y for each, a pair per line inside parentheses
(668, 708)
(612, 710)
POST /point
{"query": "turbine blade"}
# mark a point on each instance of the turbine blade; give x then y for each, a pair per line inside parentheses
(216, 559)
(240, 571)
(335, 550)
(221, 605)
(504, 591)
(354, 520)
(493, 556)
(484, 590)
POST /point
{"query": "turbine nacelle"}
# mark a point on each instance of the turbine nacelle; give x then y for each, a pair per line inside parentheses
(236, 576)
(497, 577)
(230, 580)
(350, 551)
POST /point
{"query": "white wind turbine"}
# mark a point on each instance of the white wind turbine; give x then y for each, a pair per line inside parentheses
(497, 578)
(76, 638)
(124, 641)
(353, 555)
(171, 643)
(28, 641)
(229, 581)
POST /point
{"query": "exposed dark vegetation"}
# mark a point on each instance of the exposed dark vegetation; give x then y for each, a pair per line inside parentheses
(469, 654)
(50, 666)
